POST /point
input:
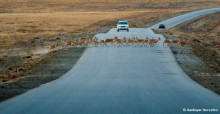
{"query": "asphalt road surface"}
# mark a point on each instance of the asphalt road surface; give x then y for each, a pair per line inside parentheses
(119, 80)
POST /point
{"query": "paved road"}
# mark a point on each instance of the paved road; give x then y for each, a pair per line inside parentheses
(182, 18)
(118, 80)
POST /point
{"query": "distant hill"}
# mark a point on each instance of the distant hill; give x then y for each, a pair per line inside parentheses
(88, 5)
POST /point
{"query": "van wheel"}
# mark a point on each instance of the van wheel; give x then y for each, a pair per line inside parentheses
(118, 30)
(128, 30)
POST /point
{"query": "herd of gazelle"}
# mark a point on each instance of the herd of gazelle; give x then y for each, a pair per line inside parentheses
(125, 41)
(117, 42)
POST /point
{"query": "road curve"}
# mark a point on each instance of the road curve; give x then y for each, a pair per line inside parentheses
(185, 17)
(114, 80)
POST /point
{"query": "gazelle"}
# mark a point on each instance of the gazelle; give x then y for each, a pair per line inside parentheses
(153, 42)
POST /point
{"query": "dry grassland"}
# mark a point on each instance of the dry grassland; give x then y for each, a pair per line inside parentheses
(23, 26)
(20, 26)
(26, 19)
(97, 5)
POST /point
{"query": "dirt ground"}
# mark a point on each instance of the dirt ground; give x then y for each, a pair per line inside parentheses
(11, 89)
(51, 67)
(199, 59)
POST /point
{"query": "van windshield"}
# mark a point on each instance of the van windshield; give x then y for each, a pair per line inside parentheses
(122, 23)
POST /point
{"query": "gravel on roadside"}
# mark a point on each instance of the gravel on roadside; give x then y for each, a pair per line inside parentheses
(194, 66)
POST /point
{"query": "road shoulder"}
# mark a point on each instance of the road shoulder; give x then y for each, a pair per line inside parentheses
(192, 65)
